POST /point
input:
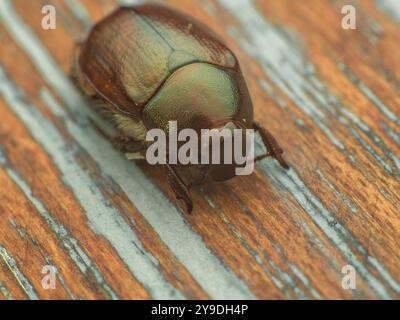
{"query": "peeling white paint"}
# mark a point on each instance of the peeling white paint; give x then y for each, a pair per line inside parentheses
(61, 278)
(284, 63)
(146, 198)
(342, 197)
(75, 252)
(130, 2)
(80, 12)
(378, 102)
(5, 292)
(284, 280)
(337, 233)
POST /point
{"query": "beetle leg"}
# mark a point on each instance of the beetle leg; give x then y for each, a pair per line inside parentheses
(201, 180)
(127, 144)
(180, 189)
(274, 150)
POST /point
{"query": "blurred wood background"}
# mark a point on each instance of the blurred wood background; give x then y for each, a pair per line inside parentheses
(113, 229)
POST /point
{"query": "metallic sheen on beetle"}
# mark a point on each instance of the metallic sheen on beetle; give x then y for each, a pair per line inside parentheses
(148, 65)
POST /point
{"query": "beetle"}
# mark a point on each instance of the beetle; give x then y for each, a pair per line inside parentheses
(150, 64)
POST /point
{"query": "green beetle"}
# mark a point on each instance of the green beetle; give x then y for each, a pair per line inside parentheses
(149, 65)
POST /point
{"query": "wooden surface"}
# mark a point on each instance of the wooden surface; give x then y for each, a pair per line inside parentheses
(113, 229)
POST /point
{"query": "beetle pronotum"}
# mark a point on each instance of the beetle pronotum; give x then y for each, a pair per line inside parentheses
(149, 65)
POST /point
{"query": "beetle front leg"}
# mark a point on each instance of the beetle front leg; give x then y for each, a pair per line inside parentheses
(273, 148)
(180, 189)
(127, 144)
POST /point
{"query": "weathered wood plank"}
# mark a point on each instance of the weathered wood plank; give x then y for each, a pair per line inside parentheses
(112, 227)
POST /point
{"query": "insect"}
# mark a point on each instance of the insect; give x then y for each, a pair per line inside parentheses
(150, 64)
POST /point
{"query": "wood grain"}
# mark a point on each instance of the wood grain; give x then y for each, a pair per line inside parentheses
(113, 229)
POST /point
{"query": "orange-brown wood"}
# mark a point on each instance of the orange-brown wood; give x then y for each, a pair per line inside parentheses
(113, 229)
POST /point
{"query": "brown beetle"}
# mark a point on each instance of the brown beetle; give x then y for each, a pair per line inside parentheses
(150, 64)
